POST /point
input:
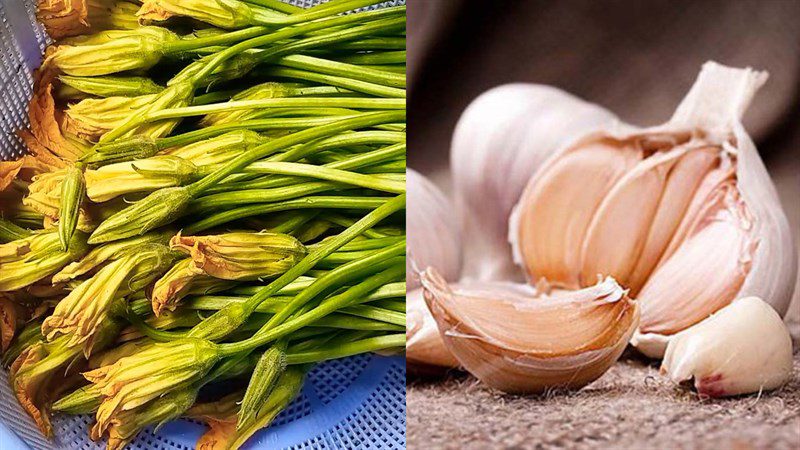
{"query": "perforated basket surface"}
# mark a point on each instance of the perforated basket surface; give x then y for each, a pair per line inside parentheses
(352, 403)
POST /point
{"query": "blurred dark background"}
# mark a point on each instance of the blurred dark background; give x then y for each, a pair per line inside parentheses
(636, 58)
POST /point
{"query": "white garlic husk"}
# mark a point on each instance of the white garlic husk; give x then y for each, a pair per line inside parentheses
(518, 340)
(501, 139)
(433, 231)
(743, 348)
(425, 349)
(684, 214)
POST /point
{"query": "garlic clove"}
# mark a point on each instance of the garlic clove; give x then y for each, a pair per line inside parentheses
(684, 179)
(704, 274)
(433, 232)
(517, 340)
(501, 139)
(554, 213)
(424, 345)
(616, 236)
(742, 348)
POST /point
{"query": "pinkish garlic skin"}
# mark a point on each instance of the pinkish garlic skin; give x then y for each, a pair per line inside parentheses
(711, 385)
(743, 348)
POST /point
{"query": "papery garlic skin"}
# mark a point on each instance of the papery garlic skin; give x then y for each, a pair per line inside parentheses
(501, 139)
(742, 348)
(433, 231)
(424, 345)
(683, 214)
(520, 341)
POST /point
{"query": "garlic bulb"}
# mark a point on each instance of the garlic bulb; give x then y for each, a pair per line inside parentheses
(744, 347)
(433, 233)
(424, 346)
(519, 340)
(502, 138)
(683, 214)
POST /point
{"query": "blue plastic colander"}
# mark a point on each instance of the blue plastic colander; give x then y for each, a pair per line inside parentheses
(352, 403)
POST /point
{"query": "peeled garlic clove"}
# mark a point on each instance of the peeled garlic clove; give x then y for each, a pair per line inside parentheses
(433, 232)
(743, 348)
(559, 204)
(424, 346)
(502, 138)
(517, 340)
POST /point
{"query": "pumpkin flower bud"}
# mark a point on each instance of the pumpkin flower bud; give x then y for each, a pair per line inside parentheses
(105, 252)
(241, 256)
(34, 258)
(287, 388)
(175, 285)
(73, 190)
(231, 69)
(176, 95)
(63, 18)
(34, 369)
(142, 175)
(127, 424)
(84, 400)
(259, 92)
(219, 149)
(134, 380)
(112, 86)
(230, 14)
(265, 377)
(159, 208)
(110, 51)
(91, 118)
(81, 313)
(44, 197)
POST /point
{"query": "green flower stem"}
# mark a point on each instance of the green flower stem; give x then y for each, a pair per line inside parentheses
(213, 97)
(326, 173)
(213, 327)
(347, 83)
(339, 277)
(367, 244)
(375, 58)
(338, 258)
(136, 144)
(342, 69)
(197, 78)
(353, 162)
(394, 305)
(289, 32)
(9, 231)
(283, 102)
(325, 353)
(273, 304)
(254, 154)
(374, 43)
(351, 296)
(192, 43)
(255, 196)
(341, 36)
(317, 12)
(376, 314)
(313, 202)
(340, 141)
(345, 222)
(276, 5)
